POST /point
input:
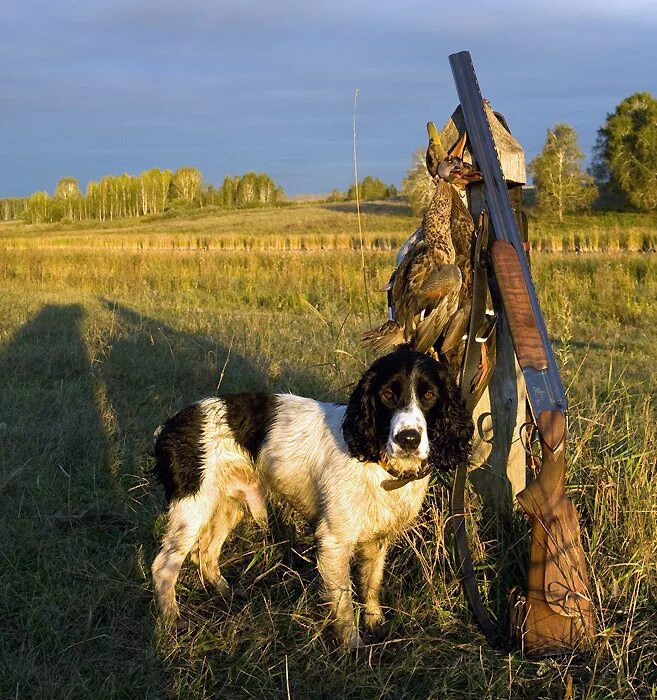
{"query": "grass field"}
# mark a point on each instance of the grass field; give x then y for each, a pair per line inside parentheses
(316, 226)
(104, 332)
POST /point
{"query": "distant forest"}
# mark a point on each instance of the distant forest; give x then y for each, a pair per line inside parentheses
(152, 192)
(158, 191)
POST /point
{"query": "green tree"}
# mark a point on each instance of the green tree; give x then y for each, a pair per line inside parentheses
(227, 192)
(371, 188)
(13, 208)
(39, 209)
(209, 195)
(246, 190)
(417, 186)
(67, 191)
(155, 187)
(335, 196)
(147, 188)
(91, 201)
(187, 183)
(626, 151)
(266, 189)
(561, 183)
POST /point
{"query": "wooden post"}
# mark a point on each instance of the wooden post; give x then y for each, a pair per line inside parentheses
(498, 459)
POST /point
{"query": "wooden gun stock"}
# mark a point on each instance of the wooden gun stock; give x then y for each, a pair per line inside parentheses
(558, 612)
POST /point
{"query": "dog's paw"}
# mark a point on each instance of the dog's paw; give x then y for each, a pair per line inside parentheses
(379, 631)
(351, 639)
(181, 625)
(376, 625)
(218, 583)
(174, 622)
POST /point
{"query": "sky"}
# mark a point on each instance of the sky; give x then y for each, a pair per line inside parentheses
(101, 87)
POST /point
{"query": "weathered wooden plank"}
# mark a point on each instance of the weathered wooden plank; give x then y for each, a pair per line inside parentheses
(510, 152)
(498, 469)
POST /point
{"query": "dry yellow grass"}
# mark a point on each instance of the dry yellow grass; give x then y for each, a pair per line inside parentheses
(98, 345)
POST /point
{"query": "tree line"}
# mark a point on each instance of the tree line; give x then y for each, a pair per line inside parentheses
(369, 189)
(151, 192)
(623, 172)
(622, 175)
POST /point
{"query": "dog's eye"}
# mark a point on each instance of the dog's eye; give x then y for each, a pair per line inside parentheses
(388, 394)
(428, 396)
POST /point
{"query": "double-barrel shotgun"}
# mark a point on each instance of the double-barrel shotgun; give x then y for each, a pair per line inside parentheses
(558, 612)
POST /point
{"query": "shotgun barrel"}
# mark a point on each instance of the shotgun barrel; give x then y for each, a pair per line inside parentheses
(534, 351)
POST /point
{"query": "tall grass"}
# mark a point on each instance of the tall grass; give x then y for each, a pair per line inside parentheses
(312, 226)
(98, 346)
(603, 232)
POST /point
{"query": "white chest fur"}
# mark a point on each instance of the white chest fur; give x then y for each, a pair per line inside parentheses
(306, 462)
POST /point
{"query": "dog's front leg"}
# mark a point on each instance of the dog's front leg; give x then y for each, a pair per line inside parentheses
(372, 561)
(333, 559)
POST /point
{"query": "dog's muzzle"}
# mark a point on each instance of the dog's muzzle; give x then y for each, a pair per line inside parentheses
(406, 450)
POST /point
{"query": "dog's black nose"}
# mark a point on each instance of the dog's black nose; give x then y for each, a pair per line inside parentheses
(408, 439)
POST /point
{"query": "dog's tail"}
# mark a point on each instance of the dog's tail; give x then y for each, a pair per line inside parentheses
(163, 469)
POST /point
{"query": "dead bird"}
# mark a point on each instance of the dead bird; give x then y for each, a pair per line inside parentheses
(427, 289)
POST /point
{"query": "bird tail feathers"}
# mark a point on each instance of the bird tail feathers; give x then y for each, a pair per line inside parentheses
(384, 337)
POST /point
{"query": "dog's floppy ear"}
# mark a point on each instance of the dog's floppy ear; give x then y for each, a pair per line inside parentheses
(451, 430)
(359, 423)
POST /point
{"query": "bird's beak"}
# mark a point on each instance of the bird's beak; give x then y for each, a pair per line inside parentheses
(434, 136)
(459, 147)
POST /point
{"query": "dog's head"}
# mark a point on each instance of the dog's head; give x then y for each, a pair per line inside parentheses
(407, 414)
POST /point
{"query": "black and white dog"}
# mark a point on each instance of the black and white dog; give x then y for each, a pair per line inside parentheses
(333, 463)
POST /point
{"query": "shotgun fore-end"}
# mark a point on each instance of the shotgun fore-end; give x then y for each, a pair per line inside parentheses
(517, 307)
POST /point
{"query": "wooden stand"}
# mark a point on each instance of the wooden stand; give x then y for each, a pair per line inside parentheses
(498, 470)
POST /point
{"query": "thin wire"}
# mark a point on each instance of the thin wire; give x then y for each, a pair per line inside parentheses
(360, 227)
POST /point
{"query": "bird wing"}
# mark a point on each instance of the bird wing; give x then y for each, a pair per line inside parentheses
(456, 328)
(441, 281)
(429, 329)
(385, 337)
(405, 293)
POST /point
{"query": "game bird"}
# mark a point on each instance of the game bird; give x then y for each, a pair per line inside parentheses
(429, 290)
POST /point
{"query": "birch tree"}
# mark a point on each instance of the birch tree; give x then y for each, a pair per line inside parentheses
(187, 183)
(561, 184)
(68, 191)
(246, 189)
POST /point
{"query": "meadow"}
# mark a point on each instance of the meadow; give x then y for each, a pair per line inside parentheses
(107, 330)
(315, 226)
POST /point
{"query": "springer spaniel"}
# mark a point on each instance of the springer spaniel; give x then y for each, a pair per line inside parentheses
(358, 472)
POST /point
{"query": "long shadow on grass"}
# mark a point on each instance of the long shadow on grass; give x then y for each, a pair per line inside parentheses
(75, 623)
(238, 648)
(260, 646)
(152, 370)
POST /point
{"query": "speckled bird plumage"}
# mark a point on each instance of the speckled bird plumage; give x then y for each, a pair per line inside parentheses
(435, 275)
